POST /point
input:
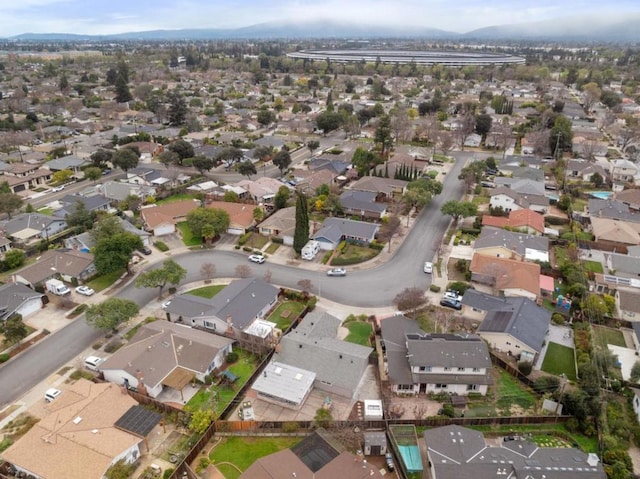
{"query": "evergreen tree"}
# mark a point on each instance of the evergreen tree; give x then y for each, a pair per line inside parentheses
(301, 233)
(383, 135)
(123, 94)
(177, 108)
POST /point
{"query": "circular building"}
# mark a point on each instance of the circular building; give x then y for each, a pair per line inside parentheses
(419, 57)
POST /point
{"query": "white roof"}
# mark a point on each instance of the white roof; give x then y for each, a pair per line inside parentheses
(285, 382)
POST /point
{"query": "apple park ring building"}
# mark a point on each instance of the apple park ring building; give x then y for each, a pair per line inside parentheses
(419, 57)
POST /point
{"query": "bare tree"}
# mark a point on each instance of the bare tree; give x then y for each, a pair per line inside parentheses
(305, 285)
(389, 229)
(445, 142)
(208, 270)
(589, 148)
(410, 300)
(539, 139)
(243, 271)
(465, 128)
(590, 95)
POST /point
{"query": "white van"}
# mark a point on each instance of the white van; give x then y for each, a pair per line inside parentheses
(92, 362)
(310, 250)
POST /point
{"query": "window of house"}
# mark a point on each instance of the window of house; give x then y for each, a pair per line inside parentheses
(209, 325)
(472, 387)
(424, 369)
(447, 369)
(460, 369)
(441, 386)
(405, 387)
(476, 370)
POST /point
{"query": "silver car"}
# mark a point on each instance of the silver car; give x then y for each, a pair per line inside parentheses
(337, 272)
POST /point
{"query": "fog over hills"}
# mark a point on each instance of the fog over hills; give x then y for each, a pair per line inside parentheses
(585, 29)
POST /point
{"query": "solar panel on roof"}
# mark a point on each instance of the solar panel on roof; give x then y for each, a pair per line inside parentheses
(138, 420)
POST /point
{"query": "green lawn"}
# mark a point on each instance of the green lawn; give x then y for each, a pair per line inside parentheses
(594, 266)
(272, 248)
(208, 291)
(354, 254)
(257, 241)
(104, 281)
(604, 336)
(560, 359)
(129, 334)
(244, 451)
(294, 308)
(510, 391)
(359, 333)
(187, 236)
(46, 211)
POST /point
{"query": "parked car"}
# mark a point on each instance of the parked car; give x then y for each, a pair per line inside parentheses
(388, 459)
(145, 250)
(337, 272)
(92, 362)
(106, 171)
(428, 267)
(166, 304)
(451, 303)
(57, 188)
(453, 294)
(84, 290)
(51, 394)
(257, 258)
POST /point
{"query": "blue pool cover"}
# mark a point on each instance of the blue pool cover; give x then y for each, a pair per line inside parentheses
(411, 458)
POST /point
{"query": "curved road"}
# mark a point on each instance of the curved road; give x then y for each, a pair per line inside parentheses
(373, 287)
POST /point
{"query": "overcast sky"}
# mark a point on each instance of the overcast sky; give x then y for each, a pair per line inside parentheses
(118, 16)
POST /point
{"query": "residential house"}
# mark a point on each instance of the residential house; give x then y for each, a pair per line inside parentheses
(281, 224)
(166, 355)
(523, 186)
(16, 298)
(499, 243)
(90, 203)
(263, 189)
(148, 149)
(363, 204)
(204, 187)
(232, 311)
(152, 178)
(67, 264)
(307, 181)
(314, 346)
(510, 200)
(417, 362)
(628, 303)
(623, 265)
(386, 189)
(284, 385)
(614, 231)
(334, 230)
(583, 170)
(82, 434)
(508, 276)
(525, 220)
(317, 456)
(118, 191)
(611, 209)
(624, 171)
(84, 242)
(456, 452)
(240, 215)
(162, 219)
(70, 162)
(24, 176)
(27, 227)
(517, 326)
(336, 166)
(631, 198)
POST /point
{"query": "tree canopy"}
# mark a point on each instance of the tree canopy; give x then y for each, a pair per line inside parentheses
(198, 218)
(113, 253)
(459, 209)
(170, 272)
(301, 232)
(282, 160)
(110, 313)
(125, 159)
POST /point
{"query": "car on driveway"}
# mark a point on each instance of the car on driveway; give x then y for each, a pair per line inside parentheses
(51, 394)
(453, 295)
(257, 258)
(337, 272)
(145, 250)
(451, 303)
(428, 267)
(84, 290)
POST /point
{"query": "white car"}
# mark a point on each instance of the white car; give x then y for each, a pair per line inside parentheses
(428, 267)
(337, 272)
(452, 295)
(166, 304)
(51, 394)
(257, 258)
(57, 188)
(85, 290)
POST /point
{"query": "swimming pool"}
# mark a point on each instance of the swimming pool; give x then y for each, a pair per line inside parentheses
(601, 195)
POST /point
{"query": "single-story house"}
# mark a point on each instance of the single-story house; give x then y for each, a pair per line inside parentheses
(614, 231)
(16, 298)
(64, 263)
(118, 191)
(500, 243)
(79, 437)
(313, 346)
(509, 277)
(69, 162)
(166, 355)
(262, 189)
(631, 198)
(90, 203)
(628, 303)
(385, 188)
(524, 220)
(510, 200)
(284, 385)
(583, 170)
(281, 224)
(26, 227)
(334, 230)
(240, 215)
(162, 219)
(363, 204)
(417, 362)
(84, 242)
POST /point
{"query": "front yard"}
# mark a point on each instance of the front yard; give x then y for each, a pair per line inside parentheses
(359, 333)
(207, 291)
(187, 235)
(353, 254)
(285, 313)
(559, 360)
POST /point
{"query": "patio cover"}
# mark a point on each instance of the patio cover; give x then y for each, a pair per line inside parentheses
(546, 283)
(178, 378)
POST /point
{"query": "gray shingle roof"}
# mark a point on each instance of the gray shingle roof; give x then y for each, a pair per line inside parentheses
(629, 302)
(12, 296)
(393, 330)
(517, 242)
(447, 350)
(612, 209)
(483, 301)
(334, 229)
(361, 200)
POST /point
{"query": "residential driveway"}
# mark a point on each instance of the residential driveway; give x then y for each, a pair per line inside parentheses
(562, 335)
(462, 252)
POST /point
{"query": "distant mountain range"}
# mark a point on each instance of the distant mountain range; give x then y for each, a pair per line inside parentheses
(583, 29)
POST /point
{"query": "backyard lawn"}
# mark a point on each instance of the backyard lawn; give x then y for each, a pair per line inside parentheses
(244, 451)
(224, 394)
(359, 333)
(510, 391)
(353, 254)
(604, 336)
(594, 266)
(208, 291)
(559, 359)
(187, 236)
(285, 313)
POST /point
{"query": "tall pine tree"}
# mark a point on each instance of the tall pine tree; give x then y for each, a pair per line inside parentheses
(301, 233)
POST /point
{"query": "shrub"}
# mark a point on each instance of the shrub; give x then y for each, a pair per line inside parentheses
(459, 286)
(96, 346)
(376, 245)
(557, 318)
(232, 357)
(470, 231)
(434, 288)
(244, 238)
(237, 246)
(327, 257)
(525, 367)
(311, 304)
(341, 261)
(546, 384)
(161, 246)
(341, 246)
(290, 426)
(277, 240)
(248, 249)
(448, 410)
(172, 290)
(168, 473)
(4, 357)
(5, 443)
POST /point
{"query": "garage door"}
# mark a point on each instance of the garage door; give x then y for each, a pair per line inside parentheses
(235, 231)
(30, 307)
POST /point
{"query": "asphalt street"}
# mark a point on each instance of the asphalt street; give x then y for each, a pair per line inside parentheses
(373, 288)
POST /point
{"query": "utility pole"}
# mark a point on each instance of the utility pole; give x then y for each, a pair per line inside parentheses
(563, 378)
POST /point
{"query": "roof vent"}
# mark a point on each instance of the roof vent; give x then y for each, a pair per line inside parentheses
(77, 420)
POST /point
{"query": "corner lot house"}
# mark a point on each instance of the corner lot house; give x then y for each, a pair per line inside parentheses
(335, 230)
(79, 437)
(417, 362)
(281, 224)
(508, 276)
(456, 452)
(166, 355)
(162, 219)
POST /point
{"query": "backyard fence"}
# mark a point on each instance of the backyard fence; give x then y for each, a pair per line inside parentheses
(509, 368)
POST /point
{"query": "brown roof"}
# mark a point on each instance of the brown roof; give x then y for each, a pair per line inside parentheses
(526, 217)
(168, 213)
(65, 262)
(377, 184)
(606, 229)
(631, 197)
(17, 180)
(160, 347)
(508, 273)
(497, 221)
(77, 438)
(240, 214)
